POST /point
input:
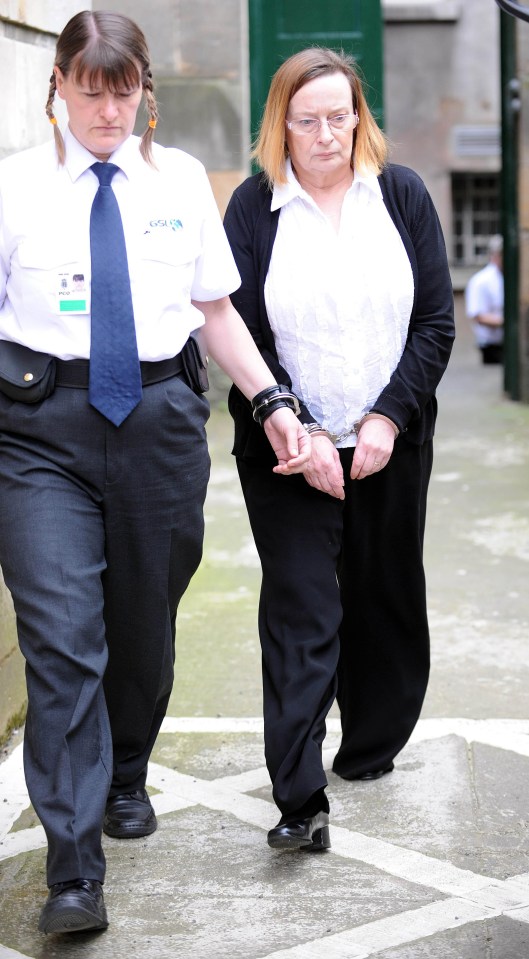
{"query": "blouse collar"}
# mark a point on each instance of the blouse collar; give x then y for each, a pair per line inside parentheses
(283, 193)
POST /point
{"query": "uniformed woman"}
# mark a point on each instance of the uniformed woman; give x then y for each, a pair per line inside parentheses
(111, 253)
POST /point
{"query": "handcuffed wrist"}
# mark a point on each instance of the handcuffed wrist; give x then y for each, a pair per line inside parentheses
(314, 429)
(271, 399)
(376, 416)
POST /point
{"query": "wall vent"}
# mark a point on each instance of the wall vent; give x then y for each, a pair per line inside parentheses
(477, 141)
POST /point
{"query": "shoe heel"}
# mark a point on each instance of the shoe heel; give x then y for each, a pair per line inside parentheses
(320, 840)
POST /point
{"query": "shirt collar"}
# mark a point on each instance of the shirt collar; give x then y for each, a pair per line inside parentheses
(79, 159)
(283, 193)
(370, 181)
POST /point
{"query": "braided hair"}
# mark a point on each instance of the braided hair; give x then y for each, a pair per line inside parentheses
(99, 46)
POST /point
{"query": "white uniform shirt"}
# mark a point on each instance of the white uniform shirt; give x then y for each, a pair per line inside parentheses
(339, 304)
(484, 294)
(176, 247)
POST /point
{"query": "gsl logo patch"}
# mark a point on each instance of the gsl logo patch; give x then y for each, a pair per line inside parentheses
(172, 224)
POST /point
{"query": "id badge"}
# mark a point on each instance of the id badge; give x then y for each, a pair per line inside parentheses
(73, 295)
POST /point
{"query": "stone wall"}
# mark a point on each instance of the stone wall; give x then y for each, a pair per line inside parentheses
(199, 63)
(441, 74)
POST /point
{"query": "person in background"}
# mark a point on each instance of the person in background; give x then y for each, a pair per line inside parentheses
(346, 292)
(484, 303)
(102, 480)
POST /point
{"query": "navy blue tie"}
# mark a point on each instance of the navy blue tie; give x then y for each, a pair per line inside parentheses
(115, 377)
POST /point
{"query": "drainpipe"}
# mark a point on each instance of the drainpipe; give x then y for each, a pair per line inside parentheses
(510, 107)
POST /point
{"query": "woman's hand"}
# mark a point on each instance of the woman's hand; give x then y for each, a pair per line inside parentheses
(324, 469)
(230, 344)
(374, 447)
(290, 442)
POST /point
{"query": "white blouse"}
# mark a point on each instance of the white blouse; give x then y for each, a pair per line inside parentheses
(339, 304)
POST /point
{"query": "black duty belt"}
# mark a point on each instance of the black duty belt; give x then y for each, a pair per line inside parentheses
(74, 373)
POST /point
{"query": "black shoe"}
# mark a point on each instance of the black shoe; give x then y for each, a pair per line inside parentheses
(367, 776)
(373, 774)
(129, 816)
(75, 906)
(310, 834)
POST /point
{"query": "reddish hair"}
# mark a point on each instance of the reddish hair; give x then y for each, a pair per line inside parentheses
(370, 148)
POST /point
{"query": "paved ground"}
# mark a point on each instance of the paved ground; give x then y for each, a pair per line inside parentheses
(432, 862)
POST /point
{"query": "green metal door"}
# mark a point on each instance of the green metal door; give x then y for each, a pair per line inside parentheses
(279, 28)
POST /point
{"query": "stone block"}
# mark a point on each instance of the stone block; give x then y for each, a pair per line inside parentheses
(24, 70)
(211, 39)
(201, 118)
(41, 14)
(223, 183)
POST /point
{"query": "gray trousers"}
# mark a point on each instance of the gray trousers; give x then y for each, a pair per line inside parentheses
(101, 529)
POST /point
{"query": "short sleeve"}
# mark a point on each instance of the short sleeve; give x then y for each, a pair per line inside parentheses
(475, 297)
(216, 274)
(4, 260)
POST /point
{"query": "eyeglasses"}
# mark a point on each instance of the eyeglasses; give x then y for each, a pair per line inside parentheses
(312, 125)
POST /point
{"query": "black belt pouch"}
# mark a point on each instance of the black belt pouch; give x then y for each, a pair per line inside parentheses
(195, 361)
(25, 375)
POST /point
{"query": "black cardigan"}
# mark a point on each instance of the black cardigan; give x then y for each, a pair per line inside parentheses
(409, 397)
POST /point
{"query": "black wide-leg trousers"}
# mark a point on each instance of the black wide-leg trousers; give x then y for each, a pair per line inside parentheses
(342, 613)
(101, 529)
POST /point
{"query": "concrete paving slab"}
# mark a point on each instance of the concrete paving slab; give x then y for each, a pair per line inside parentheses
(499, 938)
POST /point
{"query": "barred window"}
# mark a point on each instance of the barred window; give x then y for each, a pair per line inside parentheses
(475, 216)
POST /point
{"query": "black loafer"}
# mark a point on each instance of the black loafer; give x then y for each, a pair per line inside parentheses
(366, 776)
(75, 906)
(311, 834)
(129, 816)
(373, 774)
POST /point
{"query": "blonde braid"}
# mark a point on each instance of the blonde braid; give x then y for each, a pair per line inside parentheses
(152, 110)
(59, 142)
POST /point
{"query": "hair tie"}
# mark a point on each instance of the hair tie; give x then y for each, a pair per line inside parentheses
(53, 120)
(152, 124)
